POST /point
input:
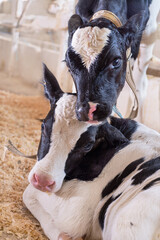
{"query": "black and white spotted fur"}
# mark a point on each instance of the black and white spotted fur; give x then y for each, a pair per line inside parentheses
(100, 190)
(96, 54)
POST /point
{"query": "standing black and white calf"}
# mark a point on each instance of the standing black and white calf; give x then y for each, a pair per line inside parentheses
(96, 55)
(96, 190)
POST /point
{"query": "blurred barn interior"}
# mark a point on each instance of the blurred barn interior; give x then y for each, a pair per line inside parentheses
(32, 32)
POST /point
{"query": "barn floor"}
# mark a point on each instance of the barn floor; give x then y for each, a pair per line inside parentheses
(18, 122)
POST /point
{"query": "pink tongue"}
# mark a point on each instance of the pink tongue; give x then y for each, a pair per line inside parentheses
(91, 110)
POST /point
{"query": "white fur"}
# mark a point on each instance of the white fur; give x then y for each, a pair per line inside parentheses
(62, 141)
(74, 209)
(142, 211)
(89, 42)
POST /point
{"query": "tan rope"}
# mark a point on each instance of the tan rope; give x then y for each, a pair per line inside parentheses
(14, 150)
(108, 15)
(131, 84)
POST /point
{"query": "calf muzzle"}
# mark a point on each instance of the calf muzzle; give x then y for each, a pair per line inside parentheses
(85, 111)
(42, 183)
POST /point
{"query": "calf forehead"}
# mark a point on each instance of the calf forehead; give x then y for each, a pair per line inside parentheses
(89, 42)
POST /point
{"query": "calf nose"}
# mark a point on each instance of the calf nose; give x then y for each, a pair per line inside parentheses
(42, 183)
(85, 111)
(82, 111)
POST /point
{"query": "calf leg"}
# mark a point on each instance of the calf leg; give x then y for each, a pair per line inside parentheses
(30, 198)
(145, 55)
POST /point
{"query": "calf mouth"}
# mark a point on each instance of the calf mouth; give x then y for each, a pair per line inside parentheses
(95, 114)
(102, 113)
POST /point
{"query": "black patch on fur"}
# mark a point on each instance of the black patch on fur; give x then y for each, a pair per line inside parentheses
(104, 209)
(74, 22)
(86, 9)
(52, 89)
(74, 61)
(116, 182)
(46, 131)
(93, 150)
(111, 134)
(152, 183)
(84, 145)
(135, 6)
(126, 126)
(89, 166)
(147, 169)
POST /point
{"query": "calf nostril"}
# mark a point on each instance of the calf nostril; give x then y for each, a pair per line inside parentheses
(42, 181)
(50, 187)
(35, 177)
(82, 113)
(80, 109)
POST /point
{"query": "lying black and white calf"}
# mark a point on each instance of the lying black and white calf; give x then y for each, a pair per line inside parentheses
(96, 190)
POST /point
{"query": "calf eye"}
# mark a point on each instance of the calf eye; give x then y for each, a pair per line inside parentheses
(43, 129)
(42, 126)
(88, 146)
(116, 63)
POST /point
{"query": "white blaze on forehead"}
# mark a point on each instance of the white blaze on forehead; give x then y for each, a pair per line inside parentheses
(88, 42)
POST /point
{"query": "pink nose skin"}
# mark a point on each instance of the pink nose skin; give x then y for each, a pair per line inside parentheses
(42, 183)
(92, 109)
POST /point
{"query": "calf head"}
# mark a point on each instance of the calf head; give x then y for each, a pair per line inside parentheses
(96, 58)
(60, 132)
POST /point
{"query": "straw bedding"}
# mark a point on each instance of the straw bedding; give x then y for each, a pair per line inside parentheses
(18, 122)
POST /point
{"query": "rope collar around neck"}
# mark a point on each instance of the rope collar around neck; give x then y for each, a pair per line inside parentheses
(107, 15)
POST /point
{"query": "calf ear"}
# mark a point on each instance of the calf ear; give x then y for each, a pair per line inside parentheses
(74, 22)
(52, 89)
(133, 29)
